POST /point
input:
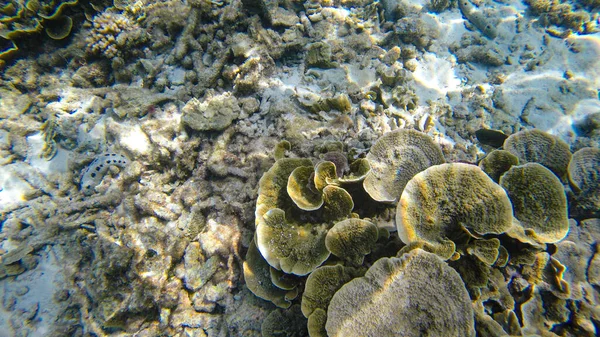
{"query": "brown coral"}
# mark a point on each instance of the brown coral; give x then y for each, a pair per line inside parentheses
(539, 201)
(536, 146)
(445, 201)
(414, 295)
(395, 158)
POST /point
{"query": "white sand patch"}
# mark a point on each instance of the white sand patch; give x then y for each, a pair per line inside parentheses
(32, 296)
(435, 77)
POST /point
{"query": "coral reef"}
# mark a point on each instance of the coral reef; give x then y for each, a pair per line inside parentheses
(560, 13)
(536, 194)
(112, 34)
(536, 146)
(265, 151)
(19, 18)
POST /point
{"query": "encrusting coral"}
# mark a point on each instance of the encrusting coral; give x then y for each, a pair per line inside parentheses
(497, 162)
(584, 178)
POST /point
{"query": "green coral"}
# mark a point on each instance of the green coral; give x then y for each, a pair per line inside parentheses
(258, 278)
(497, 162)
(20, 18)
(539, 201)
(454, 210)
(536, 146)
(395, 158)
(404, 296)
(352, 239)
(446, 202)
(322, 284)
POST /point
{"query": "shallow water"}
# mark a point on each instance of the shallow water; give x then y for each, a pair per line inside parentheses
(144, 188)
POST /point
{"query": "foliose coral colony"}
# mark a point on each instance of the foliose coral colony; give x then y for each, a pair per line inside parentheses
(486, 236)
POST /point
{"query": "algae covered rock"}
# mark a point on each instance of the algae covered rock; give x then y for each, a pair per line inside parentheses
(416, 294)
(443, 202)
(539, 201)
(319, 55)
(213, 114)
(395, 158)
(536, 146)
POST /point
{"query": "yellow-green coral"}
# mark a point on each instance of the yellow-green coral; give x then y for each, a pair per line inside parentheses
(20, 18)
(302, 190)
(395, 158)
(445, 202)
(258, 278)
(322, 284)
(536, 146)
(539, 201)
(352, 239)
(416, 294)
(497, 162)
(294, 248)
(272, 191)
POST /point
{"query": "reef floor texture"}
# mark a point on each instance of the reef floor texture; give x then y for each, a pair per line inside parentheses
(295, 168)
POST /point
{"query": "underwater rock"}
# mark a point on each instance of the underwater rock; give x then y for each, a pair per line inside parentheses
(198, 270)
(212, 114)
(318, 55)
(260, 8)
(561, 13)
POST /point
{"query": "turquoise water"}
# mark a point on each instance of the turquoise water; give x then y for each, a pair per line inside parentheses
(322, 168)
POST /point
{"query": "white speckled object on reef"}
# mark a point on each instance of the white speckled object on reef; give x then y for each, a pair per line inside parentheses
(97, 169)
